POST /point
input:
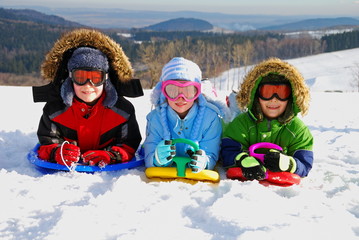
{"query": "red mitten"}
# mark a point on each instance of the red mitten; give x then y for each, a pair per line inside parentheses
(124, 154)
(45, 151)
(98, 157)
(70, 154)
(102, 157)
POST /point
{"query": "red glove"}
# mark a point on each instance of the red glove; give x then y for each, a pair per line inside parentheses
(70, 154)
(44, 151)
(98, 157)
(124, 153)
(103, 157)
(52, 152)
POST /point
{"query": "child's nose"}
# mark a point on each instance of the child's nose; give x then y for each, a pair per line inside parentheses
(88, 83)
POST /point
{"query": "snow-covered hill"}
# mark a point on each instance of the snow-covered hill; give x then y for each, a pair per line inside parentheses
(335, 71)
(126, 205)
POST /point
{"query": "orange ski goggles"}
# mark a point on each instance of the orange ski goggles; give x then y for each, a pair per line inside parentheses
(267, 91)
(82, 76)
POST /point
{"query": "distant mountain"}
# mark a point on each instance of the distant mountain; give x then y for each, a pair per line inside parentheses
(36, 17)
(181, 24)
(127, 19)
(109, 18)
(314, 24)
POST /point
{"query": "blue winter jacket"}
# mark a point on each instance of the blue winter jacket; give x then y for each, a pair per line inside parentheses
(209, 132)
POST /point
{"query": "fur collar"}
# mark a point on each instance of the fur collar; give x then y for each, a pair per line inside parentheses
(54, 67)
(300, 91)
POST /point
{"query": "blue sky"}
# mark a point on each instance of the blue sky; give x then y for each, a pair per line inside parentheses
(282, 7)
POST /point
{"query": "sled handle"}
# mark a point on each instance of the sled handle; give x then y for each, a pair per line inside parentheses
(260, 156)
(186, 141)
(181, 162)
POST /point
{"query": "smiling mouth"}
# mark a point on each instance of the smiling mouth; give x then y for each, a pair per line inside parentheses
(273, 107)
(181, 104)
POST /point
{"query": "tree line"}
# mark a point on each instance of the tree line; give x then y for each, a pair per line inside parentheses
(24, 46)
(341, 41)
(217, 54)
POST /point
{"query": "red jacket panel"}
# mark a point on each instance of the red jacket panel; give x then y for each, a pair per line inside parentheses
(91, 127)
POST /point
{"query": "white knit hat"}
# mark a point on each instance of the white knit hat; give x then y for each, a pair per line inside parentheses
(181, 68)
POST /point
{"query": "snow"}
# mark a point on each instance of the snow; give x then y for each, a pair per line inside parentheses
(323, 72)
(127, 205)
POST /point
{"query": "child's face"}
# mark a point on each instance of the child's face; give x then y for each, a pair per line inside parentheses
(88, 93)
(272, 108)
(181, 95)
(181, 106)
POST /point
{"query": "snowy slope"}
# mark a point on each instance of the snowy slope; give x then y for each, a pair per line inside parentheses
(323, 72)
(126, 205)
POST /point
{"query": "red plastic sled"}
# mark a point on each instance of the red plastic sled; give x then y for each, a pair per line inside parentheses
(284, 179)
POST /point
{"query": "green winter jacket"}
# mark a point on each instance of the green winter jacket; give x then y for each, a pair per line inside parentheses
(288, 131)
(291, 137)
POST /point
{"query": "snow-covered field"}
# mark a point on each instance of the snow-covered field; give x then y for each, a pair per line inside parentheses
(323, 72)
(126, 205)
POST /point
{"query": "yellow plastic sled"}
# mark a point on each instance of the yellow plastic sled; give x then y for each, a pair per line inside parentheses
(180, 171)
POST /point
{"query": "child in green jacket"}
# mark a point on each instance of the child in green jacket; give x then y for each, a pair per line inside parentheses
(272, 94)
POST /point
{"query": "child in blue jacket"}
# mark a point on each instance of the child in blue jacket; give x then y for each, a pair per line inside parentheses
(182, 111)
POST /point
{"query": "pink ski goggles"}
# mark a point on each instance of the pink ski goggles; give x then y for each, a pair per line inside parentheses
(174, 89)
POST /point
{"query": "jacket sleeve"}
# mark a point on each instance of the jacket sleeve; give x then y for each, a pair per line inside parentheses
(49, 137)
(211, 140)
(48, 132)
(304, 159)
(229, 150)
(234, 141)
(128, 137)
(301, 150)
(153, 137)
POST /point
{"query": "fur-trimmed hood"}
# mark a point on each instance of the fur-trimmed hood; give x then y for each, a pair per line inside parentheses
(54, 67)
(300, 91)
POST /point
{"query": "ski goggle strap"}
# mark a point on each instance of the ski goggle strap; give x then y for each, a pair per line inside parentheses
(174, 89)
(281, 91)
(82, 76)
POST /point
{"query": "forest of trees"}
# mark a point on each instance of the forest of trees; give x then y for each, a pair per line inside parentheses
(216, 54)
(346, 40)
(23, 46)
